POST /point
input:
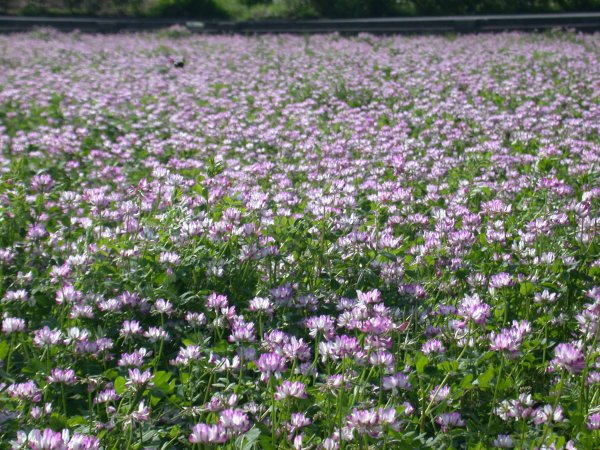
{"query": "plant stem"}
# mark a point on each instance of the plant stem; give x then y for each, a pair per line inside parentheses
(496, 390)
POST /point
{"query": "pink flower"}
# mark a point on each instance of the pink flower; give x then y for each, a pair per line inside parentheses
(287, 389)
(209, 434)
(447, 420)
(270, 364)
(137, 378)
(593, 422)
(234, 421)
(66, 376)
(13, 325)
(568, 357)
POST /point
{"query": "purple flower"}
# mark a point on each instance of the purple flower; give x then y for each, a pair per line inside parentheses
(169, 258)
(297, 421)
(510, 339)
(522, 408)
(12, 325)
(287, 389)
(162, 306)
(270, 364)
(593, 422)
(242, 331)
(395, 382)
(387, 416)
(134, 359)
(216, 302)
(25, 391)
(364, 421)
(439, 394)
(377, 325)
(107, 395)
(18, 296)
(42, 182)
(261, 304)
(65, 376)
(499, 281)
(366, 298)
(320, 324)
(471, 307)
(83, 442)
(56, 440)
(234, 421)
(568, 357)
(548, 414)
(433, 346)
(187, 355)
(296, 348)
(503, 441)
(142, 414)
(208, 434)
(195, 319)
(341, 347)
(67, 294)
(447, 420)
(47, 439)
(382, 358)
(139, 379)
(47, 337)
(131, 328)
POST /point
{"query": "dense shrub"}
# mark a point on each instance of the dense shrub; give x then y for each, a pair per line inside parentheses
(189, 8)
(290, 9)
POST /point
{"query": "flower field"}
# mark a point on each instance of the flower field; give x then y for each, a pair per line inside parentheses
(295, 242)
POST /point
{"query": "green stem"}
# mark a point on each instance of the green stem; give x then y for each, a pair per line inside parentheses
(130, 438)
(10, 350)
(64, 401)
(208, 385)
(273, 410)
(241, 372)
(548, 425)
(91, 412)
(496, 390)
(442, 384)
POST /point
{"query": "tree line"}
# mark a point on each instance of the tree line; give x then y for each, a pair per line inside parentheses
(289, 9)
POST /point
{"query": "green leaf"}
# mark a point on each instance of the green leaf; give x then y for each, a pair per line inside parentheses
(111, 374)
(156, 396)
(4, 350)
(483, 381)
(505, 384)
(161, 378)
(184, 377)
(448, 366)
(174, 432)
(527, 288)
(266, 443)
(119, 384)
(57, 422)
(76, 420)
(421, 364)
(577, 419)
(220, 346)
(389, 256)
(248, 440)
(467, 382)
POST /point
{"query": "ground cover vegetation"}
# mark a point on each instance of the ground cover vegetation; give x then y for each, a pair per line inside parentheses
(299, 242)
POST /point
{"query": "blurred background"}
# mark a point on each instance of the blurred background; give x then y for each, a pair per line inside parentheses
(288, 9)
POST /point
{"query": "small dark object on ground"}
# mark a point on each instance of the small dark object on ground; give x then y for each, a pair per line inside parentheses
(177, 63)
